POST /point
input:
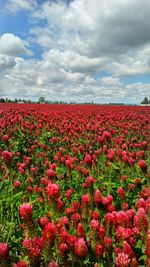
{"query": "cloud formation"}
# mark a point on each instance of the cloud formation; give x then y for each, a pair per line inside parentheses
(12, 45)
(87, 46)
(15, 5)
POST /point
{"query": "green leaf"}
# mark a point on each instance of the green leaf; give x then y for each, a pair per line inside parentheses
(17, 196)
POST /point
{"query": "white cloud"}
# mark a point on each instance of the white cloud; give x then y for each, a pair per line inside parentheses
(6, 62)
(72, 61)
(32, 79)
(15, 5)
(112, 35)
(79, 42)
(12, 45)
(97, 27)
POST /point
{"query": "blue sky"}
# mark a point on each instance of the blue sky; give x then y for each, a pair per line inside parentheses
(81, 50)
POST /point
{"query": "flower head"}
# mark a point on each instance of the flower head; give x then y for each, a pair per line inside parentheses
(3, 250)
(122, 260)
(80, 248)
(26, 211)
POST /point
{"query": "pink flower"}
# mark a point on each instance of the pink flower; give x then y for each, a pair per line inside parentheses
(3, 250)
(122, 260)
(80, 248)
(26, 211)
(52, 191)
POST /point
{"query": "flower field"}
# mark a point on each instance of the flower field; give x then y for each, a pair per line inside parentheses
(74, 185)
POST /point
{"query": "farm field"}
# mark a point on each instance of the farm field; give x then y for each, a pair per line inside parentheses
(74, 185)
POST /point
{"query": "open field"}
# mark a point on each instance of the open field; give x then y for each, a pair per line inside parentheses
(74, 185)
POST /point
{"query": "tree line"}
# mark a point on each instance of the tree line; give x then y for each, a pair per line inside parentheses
(145, 101)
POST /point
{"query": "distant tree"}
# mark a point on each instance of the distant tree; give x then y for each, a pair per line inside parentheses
(149, 101)
(145, 101)
(41, 99)
(2, 100)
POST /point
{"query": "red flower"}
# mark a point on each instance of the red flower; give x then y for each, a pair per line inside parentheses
(141, 203)
(124, 178)
(127, 248)
(51, 173)
(99, 250)
(97, 197)
(49, 232)
(81, 230)
(134, 262)
(20, 264)
(63, 248)
(120, 192)
(71, 240)
(147, 246)
(43, 221)
(143, 165)
(90, 181)
(122, 260)
(85, 200)
(80, 248)
(17, 184)
(94, 225)
(3, 250)
(26, 211)
(53, 264)
(107, 242)
(102, 231)
(75, 218)
(5, 138)
(95, 215)
(106, 135)
(88, 159)
(7, 156)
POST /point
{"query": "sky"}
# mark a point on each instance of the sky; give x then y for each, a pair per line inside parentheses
(75, 50)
